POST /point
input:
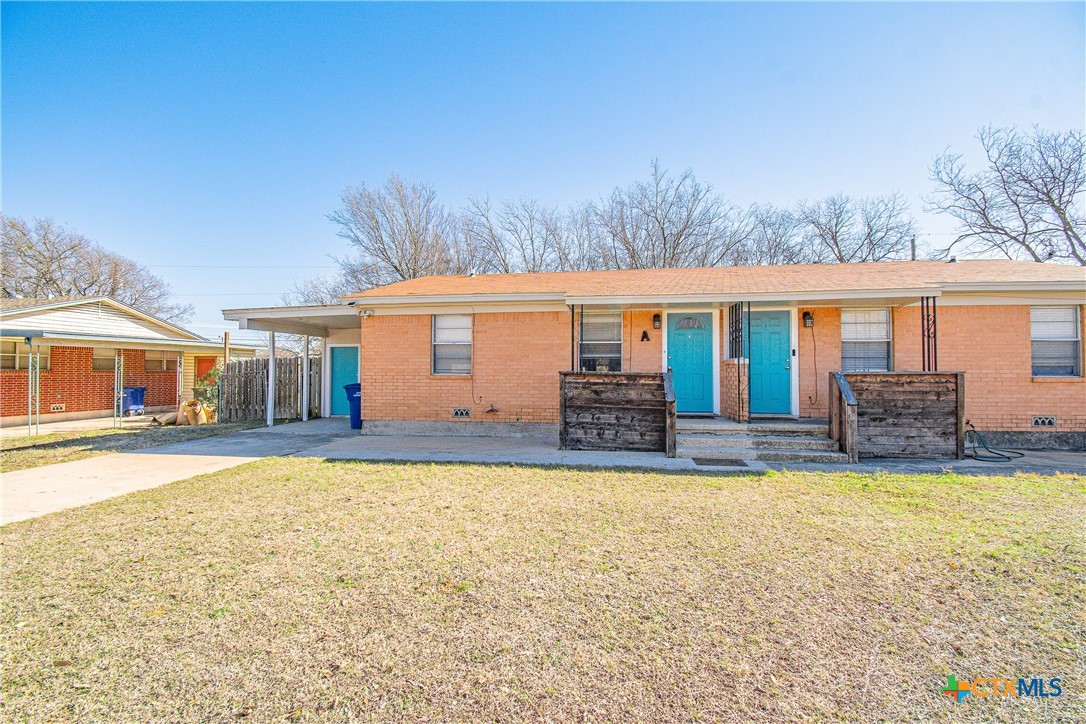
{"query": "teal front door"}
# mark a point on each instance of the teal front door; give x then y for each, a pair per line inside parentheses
(690, 358)
(344, 372)
(770, 364)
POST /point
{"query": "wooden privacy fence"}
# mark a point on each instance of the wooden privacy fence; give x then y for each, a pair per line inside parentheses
(617, 411)
(899, 414)
(243, 387)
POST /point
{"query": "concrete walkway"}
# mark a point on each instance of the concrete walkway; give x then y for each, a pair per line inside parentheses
(38, 491)
(482, 449)
(544, 451)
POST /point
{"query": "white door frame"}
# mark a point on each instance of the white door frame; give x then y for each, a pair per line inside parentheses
(793, 341)
(326, 374)
(717, 359)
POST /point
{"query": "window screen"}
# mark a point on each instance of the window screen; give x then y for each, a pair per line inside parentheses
(452, 344)
(865, 340)
(1054, 339)
(104, 359)
(157, 360)
(16, 356)
(601, 342)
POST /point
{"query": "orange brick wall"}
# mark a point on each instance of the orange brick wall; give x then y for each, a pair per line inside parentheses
(71, 381)
(517, 357)
(991, 345)
(641, 356)
(819, 354)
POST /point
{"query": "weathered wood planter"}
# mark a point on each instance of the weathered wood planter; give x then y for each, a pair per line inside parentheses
(617, 411)
(900, 414)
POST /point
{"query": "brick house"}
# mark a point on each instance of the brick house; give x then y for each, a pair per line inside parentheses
(81, 346)
(484, 353)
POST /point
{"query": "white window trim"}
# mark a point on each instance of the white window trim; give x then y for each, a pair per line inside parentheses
(470, 344)
(1077, 339)
(889, 336)
(621, 337)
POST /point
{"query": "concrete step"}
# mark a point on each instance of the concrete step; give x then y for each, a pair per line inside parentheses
(757, 442)
(775, 456)
(711, 426)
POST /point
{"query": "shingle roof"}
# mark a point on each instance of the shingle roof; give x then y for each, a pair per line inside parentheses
(753, 280)
(10, 304)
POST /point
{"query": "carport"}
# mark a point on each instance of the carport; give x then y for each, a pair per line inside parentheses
(336, 325)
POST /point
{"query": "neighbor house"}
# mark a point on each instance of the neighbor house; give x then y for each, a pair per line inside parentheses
(79, 350)
(484, 353)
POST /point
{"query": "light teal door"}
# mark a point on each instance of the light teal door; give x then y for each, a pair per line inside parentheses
(770, 364)
(344, 372)
(690, 357)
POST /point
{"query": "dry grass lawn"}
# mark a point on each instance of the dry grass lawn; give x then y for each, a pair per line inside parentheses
(20, 453)
(304, 589)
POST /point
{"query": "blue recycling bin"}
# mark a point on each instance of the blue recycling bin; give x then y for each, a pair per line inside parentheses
(132, 403)
(354, 397)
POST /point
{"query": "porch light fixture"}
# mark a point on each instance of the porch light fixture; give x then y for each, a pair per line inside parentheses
(656, 321)
(808, 319)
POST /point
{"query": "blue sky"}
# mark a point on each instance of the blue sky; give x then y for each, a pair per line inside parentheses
(222, 134)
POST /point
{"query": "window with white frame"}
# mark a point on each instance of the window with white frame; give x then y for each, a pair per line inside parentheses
(865, 340)
(105, 358)
(601, 342)
(158, 360)
(16, 355)
(452, 344)
(1055, 341)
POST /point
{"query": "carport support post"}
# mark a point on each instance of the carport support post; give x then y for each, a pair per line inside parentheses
(305, 378)
(269, 400)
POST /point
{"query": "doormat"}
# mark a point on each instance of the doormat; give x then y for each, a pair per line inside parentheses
(721, 462)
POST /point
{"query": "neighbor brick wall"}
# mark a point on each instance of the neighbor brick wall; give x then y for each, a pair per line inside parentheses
(71, 381)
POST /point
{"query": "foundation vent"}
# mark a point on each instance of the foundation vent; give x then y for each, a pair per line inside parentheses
(58, 407)
(461, 412)
(1044, 422)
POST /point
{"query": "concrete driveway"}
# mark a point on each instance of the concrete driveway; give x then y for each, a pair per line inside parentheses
(38, 491)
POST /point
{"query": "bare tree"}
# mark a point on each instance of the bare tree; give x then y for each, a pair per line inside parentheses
(666, 222)
(400, 231)
(521, 236)
(1026, 204)
(776, 238)
(844, 230)
(43, 259)
(579, 243)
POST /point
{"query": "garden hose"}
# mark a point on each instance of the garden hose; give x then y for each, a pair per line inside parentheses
(974, 439)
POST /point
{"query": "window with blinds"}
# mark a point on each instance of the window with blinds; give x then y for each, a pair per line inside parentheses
(601, 342)
(865, 340)
(1055, 341)
(452, 344)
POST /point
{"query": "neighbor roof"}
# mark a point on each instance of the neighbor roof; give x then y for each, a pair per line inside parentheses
(753, 280)
(11, 304)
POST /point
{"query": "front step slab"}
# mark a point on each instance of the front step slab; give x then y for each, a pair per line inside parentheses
(727, 427)
(773, 456)
(760, 442)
